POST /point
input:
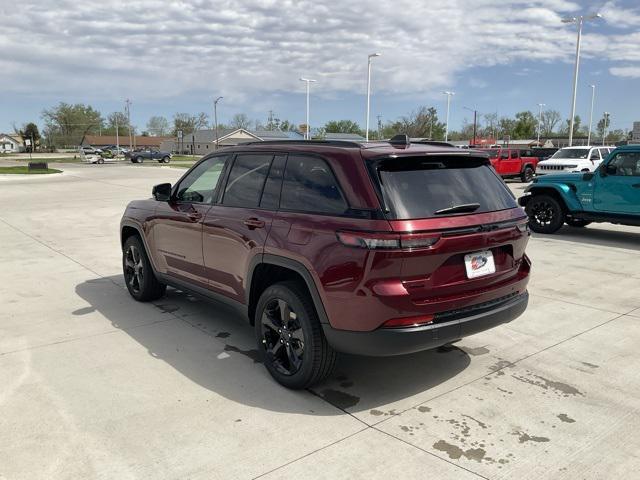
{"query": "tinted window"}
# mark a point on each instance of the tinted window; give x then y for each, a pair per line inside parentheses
(246, 180)
(200, 184)
(309, 186)
(271, 193)
(627, 164)
(419, 187)
(572, 153)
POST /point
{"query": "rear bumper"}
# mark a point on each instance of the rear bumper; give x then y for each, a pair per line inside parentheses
(398, 341)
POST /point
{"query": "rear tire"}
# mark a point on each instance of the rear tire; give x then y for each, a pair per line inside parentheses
(100, 161)
(545, 214)
(527, 174)
(577, 223)
(138, 160)
(290, 340)
(165, 159)
(138, 272)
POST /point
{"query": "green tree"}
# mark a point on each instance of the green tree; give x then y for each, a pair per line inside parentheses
(342, 126)
(421, 123)
(577, 124)
(158, 126)
(30, 132)
(66, 124)
(188, 123)
(525, 126)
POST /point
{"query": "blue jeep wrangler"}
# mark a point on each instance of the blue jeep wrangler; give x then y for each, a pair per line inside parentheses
(610, 194)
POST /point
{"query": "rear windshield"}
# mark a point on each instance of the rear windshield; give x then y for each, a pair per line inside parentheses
(425, 187)
(572, 153)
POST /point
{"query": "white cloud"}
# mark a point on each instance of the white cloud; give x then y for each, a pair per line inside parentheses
(629, 72)
(155, 49)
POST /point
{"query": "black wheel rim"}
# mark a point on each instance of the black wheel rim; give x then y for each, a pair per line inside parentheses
(528, 175)
(543, 213)
(282, 337)
(133, 268)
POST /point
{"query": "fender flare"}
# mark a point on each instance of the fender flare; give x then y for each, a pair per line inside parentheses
(565, 192)
(136, 226)
(294, 265)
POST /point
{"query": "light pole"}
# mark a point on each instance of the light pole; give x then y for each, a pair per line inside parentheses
(446, 128)
(369, 91)
(475, 124)
(540, 105)
(580, 22)
(128, 110)
(606, 127)
(593, 97)
(307, 133)
(215, 118)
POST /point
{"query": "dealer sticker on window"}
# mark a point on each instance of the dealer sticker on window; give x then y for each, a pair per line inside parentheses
(479, 264)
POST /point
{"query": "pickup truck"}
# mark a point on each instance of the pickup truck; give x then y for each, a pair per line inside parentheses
(509, 163)
(609, 194)
(139, 155)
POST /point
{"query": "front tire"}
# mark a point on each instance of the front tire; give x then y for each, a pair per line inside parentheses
(100, 161)
(289, 335)
(165, 159)
(527, 174)
(545, 214)
(138, 273)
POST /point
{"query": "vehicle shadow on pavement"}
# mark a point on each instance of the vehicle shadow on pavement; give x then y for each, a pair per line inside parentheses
(597, 236)
(215, 347)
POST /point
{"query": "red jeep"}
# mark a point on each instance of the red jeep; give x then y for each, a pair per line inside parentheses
(511, 163)
(372, 249)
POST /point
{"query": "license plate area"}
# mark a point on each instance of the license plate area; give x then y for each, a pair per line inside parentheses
(479, 264)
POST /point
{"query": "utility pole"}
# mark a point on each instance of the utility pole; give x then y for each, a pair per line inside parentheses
(128, 110)
(117, 138)
(215, 118)
(540, 105)
(379, 127)
(605, 131)
(593, 98)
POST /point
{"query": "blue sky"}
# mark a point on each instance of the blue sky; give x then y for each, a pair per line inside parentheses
(172, 57)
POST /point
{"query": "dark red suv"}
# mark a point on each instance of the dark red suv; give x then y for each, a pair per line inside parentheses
(373, 249)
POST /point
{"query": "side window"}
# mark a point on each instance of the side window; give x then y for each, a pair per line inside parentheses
(595, 155)
(627, 164)
(309, 186)
(273, 186)
(515, 154)
(246, 180)
(200, 185)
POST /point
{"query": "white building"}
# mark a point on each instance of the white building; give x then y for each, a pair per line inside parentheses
(11, 143)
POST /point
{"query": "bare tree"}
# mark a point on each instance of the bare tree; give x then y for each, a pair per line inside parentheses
(158, 126)
(549, 120)
(240, 120)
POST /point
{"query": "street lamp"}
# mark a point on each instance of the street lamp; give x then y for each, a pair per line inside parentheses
(215, 117)
(606, 127)
(446, 129)
(593, 97)
(475, 123)
(540, 105)
(369, 90)
(580, 22)
(307, 133)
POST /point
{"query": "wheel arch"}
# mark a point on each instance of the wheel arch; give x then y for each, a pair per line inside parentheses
(267, 269)
(562, 193)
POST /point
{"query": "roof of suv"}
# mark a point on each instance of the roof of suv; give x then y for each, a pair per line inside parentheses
(368, 150)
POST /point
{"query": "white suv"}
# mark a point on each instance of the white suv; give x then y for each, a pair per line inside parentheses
(574, 159)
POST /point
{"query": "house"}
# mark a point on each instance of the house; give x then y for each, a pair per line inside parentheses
(11, 143)
(99, 141)
(202, 142)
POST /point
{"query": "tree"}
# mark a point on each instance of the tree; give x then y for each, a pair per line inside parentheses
(189, 123)
(603, 124)
(240, 120)
(577, 123)
(422, 123)
(549, 120)
(287, 126)
(525, 126)
(342, 126)
(158, 126)
(66, 124)
(29, 132)
(507, 126)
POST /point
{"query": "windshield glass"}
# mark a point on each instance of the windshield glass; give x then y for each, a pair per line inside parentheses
(572, 153)
(418, 187)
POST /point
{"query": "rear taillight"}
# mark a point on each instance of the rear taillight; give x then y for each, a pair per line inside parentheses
(387, 241)
(405, 322)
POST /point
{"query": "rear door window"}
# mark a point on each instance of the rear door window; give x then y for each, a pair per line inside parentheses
(424, 187)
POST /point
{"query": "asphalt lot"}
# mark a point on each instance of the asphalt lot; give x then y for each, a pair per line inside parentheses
(96, 385)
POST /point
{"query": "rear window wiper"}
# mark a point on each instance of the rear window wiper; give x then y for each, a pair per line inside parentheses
(467, 207)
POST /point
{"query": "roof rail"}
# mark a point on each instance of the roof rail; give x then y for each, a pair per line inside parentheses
(436, 143)
(333, 143)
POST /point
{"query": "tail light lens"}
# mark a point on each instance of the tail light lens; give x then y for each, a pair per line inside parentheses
(405, 322)
(387, 241)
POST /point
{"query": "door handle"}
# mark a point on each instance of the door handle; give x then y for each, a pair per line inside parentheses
(253, 223)
(194, 216)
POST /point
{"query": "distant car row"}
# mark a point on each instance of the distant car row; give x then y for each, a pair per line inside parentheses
(111, 152)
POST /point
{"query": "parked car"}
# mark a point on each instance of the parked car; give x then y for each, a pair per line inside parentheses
(139, 155)
(511, 163)
(574, 159)
(89, 150)
(610, 194)
(114, 150)
(543, 153)
(372, 249)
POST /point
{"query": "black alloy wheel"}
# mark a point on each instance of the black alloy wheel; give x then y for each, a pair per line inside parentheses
(133, 269)
(282, 337)
(545, 214)
(527, 174)
(138, 273)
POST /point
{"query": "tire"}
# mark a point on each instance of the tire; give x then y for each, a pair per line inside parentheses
(302, 340)
(165, 160)
(527, 174)
(100, 161)
(545, 214)
(138, 273)
(577, 223)
(139, 160)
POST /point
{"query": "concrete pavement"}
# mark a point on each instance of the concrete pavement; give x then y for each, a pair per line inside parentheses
(95, 385)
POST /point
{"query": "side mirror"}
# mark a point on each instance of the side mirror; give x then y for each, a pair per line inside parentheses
(610, 169)
(588, 176)
(162, 192)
